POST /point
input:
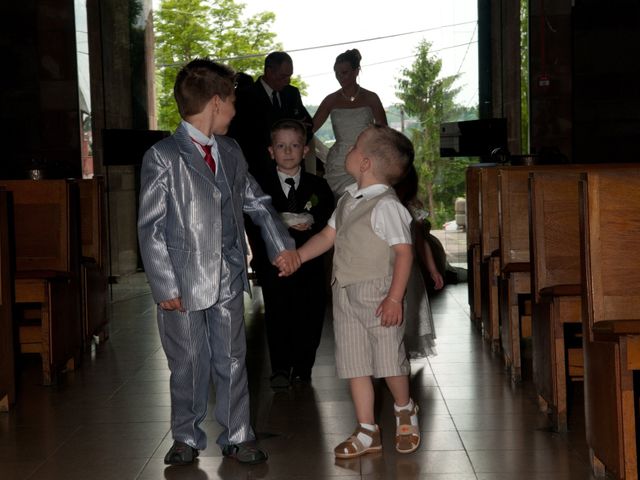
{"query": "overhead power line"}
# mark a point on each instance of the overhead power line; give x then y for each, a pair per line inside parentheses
(329, 45)
(384, 37)
(475, 27)
(467, 44)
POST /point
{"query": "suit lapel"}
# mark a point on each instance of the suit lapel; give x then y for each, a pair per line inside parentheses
(304, 191)
(261, 93)
(191, 155)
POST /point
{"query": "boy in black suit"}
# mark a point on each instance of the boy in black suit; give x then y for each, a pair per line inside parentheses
(294, 305)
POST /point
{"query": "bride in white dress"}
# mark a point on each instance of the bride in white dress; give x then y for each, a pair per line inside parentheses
(352, 109)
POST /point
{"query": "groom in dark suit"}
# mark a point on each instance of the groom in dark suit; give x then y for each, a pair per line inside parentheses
(260, 105)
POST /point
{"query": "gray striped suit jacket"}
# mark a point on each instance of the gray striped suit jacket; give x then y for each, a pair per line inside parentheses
(179, 218)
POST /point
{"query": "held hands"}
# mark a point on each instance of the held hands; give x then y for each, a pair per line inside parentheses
(391, 312)
(287, 262)
(301, 227)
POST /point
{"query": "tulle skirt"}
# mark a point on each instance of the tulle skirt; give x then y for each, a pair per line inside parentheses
(419, 332)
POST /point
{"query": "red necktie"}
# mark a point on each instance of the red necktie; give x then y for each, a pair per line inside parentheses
(208, 157)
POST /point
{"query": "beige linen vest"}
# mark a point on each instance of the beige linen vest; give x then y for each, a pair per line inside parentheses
(360, 254)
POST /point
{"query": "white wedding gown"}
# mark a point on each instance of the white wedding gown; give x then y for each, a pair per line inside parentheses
(347, 124)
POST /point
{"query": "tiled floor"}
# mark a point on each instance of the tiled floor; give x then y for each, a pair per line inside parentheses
(109, 419)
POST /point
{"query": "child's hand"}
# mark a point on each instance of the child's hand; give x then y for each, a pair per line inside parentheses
(391, 312)
(301, 227)
(287, 262)
(437, 280)
(173, 304)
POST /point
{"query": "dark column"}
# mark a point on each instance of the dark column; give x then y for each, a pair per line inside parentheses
(606, 108)
(550, 63)
(39, 112)
(484, 59)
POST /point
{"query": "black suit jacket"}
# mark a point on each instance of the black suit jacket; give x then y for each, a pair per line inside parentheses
(254, 117)
(312, 190)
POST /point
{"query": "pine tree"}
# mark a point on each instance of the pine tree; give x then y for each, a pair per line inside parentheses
(430, 99)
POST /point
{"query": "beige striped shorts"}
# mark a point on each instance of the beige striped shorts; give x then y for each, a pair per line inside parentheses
(363, 346)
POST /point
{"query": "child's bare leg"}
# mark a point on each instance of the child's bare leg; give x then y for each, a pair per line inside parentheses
(363, 398)
(399, 387)
(366, 437)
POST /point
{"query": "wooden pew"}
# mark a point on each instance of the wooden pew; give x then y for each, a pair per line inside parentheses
(610, 241)
(474, 261)
(93, 266)
(556, 280)
(515, 276)
(7, 359)
(47, 292)
(489, 245)
(556, 284)
(515, 259)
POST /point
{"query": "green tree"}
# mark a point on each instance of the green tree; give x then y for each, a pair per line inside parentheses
(430, 99)
(186, 29)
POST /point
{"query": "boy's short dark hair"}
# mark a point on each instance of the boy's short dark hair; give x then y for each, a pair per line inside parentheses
(198, 82)
(289, 124)
(392, 152)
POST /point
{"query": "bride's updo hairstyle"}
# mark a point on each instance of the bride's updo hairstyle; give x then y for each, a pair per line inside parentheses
(352, 57)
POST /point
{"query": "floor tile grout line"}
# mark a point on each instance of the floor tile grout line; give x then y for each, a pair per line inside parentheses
(435, 376)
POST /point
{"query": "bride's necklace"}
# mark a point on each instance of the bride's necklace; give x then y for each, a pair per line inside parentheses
(351, 98)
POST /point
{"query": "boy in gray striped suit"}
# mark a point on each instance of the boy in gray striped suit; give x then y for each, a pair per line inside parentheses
(195, 188)
(370, 230)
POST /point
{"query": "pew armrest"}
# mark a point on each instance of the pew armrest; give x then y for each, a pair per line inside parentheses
(561, 291)
(49, 275)
(516, 267)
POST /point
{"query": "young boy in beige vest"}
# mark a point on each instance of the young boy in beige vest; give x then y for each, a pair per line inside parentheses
(370, 230)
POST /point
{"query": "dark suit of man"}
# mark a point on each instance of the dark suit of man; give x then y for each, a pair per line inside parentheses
(295, 305)
(255, 114)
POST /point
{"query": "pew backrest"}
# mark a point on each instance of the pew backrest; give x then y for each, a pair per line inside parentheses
(473, 205)
(513, 216)
(45, 225)
(488, 209)
(610, 233)
(554, 230)
(93, 220)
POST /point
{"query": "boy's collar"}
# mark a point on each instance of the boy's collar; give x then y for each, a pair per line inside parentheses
(284, 176)
(197, 135)
(367, 192)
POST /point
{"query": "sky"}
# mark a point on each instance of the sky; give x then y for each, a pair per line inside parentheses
(304, 24)
(313, 26)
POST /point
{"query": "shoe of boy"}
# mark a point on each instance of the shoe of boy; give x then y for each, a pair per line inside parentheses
(247, 452)
(279, 379)
(180, 454)
(301, 375)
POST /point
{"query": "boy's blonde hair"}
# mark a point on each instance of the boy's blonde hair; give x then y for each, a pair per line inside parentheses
(198, 82)
(392, 152)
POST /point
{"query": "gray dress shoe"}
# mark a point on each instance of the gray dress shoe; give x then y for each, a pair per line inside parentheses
(247, 452)
(180, 454)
